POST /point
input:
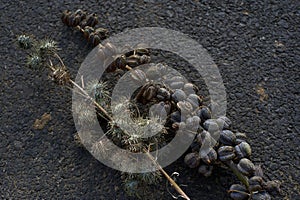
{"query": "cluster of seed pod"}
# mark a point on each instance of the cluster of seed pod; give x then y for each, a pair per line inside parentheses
(214, 144)
(122, 61)
(85, 23)
(230, 149)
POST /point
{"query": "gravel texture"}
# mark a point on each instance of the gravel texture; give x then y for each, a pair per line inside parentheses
(254, 43)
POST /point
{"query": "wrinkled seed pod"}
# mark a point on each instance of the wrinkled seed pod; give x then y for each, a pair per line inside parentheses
(255, 183)
(144, 59)
(194, 100)
(238, 192)
(73, 20)
(224, 122)
(178, 95)
(160, 110)
(193, 123)
(211, 126)
(240, 137)
(92, 20)
(205, 170)
(109, 49)
(65, 16)
(138, 76)
(142, 51)
(226, 153)
(210, 157)
(204, 137)
(176, 85)
(149, 93)
(185, 107)
(175, 79)
(246, 167)
(190, 88)
(87, 31)
(153, 73)
(163, 94)
(204, 113)
(227, 137)
(81, 14)
(243, 150)
(272, 185)
(176, 117)
(102, 33)
(261, 196)
(121, 62)
(192, 160)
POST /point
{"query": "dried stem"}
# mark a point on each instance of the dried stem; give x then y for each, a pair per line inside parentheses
(239, 175)
(85, 94)
(172, 182)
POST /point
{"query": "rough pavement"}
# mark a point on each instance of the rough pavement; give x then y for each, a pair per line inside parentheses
(254, 43)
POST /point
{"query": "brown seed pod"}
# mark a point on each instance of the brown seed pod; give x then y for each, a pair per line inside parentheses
(210, 157)
(246, 167)
(192, 160)
(226, 153)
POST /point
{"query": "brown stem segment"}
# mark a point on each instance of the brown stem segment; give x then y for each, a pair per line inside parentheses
(173, 183)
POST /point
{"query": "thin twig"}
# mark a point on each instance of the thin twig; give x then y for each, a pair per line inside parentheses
(172, 182)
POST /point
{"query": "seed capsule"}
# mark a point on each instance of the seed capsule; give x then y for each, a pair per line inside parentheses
(149, 93)
(178, 95)
(176, 85)
(87, 31)
(227, 137)
(240, 137)
(91, 20)
(185, 107)
(246, 167)
(160, 110)
(205, 170)
(255, 183)
(142, 51)
(261, 196)
(153, 73)
(204, 113)
(224, 122)
(210, 157)
(211, 126)
(138, 75)
(192, 123)
(194, 100)
(175, 79)
(190, 88)
(226, 153)
(176, 117)
(238, 192)
(163, 94)
(272, 185)
(204, 138)
(192, 160)
(243, 150)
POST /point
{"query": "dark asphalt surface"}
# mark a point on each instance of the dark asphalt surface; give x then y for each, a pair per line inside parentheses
(255, 44)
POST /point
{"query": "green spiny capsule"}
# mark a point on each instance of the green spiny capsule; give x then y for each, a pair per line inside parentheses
(34, 61)
(48, 46)
(25, 41)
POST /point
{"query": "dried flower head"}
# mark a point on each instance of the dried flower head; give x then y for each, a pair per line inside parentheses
(98, 90)
(25, 41)
(34, 61)
(47, 46)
